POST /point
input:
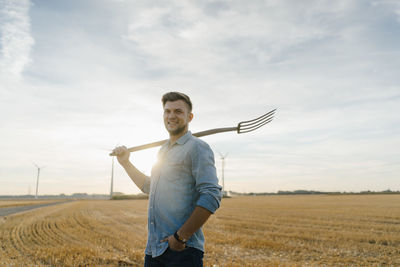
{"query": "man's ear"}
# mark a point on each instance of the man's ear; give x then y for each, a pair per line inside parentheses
(190, 116)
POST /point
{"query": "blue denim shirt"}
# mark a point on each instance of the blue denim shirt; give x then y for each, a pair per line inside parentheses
(183, 177)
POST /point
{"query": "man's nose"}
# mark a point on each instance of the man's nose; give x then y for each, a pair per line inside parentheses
(171, 115)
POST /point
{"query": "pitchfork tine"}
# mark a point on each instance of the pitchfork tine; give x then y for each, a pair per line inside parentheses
(251, 125)
(261, 117)
(255, 123)
(255, 127)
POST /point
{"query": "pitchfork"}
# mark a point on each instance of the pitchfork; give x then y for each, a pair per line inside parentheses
(242, 127)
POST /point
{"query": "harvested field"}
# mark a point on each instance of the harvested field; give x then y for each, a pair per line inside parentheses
(350, 230)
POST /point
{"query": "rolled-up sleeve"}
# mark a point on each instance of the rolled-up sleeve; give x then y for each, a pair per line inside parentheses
(204, 172)
(146, 186)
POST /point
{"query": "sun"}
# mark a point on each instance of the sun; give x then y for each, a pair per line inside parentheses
(144, 160)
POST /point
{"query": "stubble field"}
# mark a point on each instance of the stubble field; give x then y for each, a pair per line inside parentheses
(350, 230)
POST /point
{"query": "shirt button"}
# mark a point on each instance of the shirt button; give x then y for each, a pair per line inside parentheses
(152, 222)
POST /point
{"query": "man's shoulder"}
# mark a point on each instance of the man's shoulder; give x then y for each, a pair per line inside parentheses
(197, 143)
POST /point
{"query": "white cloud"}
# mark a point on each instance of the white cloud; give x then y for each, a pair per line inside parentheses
(392, 6)
(96, 73)
(16, 41)
(189, 39)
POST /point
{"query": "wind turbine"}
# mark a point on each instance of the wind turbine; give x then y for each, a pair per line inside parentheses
(37, 179)
(112, 178)
(112, 174)
(223, 157)
(112, 170)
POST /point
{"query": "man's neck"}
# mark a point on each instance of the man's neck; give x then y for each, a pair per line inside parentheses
(174, 138)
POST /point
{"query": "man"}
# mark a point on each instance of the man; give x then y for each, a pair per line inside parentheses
(183, 189)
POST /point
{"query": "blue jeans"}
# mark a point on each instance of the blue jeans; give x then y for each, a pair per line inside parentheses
(191, 257)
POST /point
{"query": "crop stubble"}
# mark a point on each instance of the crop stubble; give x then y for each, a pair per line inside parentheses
(246, 231)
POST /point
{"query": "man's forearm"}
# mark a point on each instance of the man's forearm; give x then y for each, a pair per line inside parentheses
(196, 220)
(136, 176)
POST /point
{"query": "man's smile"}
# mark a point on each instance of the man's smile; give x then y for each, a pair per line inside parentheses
(172, 123)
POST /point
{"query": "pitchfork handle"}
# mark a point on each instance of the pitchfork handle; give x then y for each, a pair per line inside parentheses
(198, 134)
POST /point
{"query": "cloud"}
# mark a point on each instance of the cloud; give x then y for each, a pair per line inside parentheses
(97, 70)
(16, 41)
(202, 38)
(392, 7)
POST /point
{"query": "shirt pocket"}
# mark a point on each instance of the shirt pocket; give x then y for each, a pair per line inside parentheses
(174, 170)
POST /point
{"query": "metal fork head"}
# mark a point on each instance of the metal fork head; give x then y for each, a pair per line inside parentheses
(251, 125)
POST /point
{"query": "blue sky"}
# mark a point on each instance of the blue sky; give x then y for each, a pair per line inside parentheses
(79, 77)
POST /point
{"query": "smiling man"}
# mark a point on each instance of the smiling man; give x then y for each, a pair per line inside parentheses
(183, 189)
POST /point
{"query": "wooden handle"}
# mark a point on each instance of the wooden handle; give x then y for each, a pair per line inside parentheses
(198, 134)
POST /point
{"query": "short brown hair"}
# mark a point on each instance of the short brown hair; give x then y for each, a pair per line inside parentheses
(174, 96)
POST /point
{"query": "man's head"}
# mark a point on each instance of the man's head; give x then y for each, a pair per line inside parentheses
(174, 96)
(177, 112)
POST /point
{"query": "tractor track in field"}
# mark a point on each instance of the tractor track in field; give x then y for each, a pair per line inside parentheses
(24, 237)
(64, 235)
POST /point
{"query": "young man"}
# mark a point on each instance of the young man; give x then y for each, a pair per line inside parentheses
(183, 189)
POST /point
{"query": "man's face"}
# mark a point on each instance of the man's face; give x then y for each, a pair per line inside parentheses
(177, 117)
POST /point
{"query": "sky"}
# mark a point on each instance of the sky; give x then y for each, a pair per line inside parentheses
(78, 78)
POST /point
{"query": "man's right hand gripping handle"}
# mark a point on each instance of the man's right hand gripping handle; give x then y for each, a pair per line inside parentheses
(136, 176)
(122, 154)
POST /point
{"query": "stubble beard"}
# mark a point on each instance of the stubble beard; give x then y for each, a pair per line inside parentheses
(177, 131)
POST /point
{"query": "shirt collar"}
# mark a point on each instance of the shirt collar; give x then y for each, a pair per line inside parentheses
(183, 139)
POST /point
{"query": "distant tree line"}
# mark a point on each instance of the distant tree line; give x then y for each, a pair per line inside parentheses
(122, 196)
(312, 192)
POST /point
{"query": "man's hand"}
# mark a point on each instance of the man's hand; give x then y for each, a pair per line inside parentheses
(173, 243)
(122, 154)
(137, 176)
